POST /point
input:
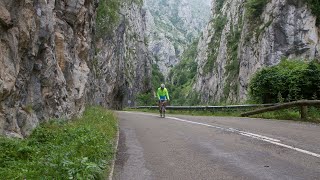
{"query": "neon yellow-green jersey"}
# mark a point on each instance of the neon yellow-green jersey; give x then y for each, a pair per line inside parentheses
(163, 94)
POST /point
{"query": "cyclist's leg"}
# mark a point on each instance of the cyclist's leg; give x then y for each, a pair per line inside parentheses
(160, 103)
(163, 108)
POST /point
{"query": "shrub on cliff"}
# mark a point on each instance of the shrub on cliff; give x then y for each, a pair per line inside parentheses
(288, 81)
(314, 5)
(255, 8)
(107, 17)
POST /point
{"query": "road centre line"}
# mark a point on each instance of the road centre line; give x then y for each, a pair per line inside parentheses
(243, 133)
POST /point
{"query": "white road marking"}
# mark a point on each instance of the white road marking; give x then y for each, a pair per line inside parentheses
(243, 133)
(256, 136)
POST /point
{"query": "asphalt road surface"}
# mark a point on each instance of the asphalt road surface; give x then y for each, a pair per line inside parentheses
(189, 147)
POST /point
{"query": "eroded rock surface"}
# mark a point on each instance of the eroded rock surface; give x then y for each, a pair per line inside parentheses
(235, 46)
(44, 50)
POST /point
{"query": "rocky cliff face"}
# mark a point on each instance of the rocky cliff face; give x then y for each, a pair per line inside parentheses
(51, 66)
(45, 47)
(122, 66)
(240, 40)
(171, 26)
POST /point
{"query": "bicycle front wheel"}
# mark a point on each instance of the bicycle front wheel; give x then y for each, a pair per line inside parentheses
(163, 111)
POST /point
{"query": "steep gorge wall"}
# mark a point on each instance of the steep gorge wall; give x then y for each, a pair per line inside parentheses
(172, 25)
(122, 65)
(236, 44)
(45, 47)
(51, 66)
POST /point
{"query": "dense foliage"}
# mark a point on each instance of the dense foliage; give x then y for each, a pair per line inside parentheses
(157, 76)
(288, 81)
(80, 149)
(107, 17)
(148, 98)
(315, 7)
(219, 5)
(108, 14)
(254, 8)
(213, 47)
(179, 83)
(232, 66)
(181, 78)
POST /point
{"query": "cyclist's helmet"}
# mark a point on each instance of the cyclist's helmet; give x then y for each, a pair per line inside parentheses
(162, 86)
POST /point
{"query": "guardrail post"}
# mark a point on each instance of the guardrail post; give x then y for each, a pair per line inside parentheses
(304, 112)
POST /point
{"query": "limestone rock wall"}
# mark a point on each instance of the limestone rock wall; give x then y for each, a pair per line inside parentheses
(172, 25)
(44, 50)
(121, 69)
(233, 47)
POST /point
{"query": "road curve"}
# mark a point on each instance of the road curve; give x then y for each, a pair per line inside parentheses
(189, 147)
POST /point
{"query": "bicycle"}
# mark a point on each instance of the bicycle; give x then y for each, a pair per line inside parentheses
(162, 109)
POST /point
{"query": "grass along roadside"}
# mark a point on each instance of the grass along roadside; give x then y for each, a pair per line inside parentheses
(191, 113)
(78, 149)
(288, 114)
(292, 114)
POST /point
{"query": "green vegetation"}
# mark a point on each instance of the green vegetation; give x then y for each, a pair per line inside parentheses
(164, 26)
(80, 149)
(175, 18)
(288, 81)
(232, 113)
(107, 17)
(97, 71)
(292, 114)
(219, 5)
(187, 68)
(259, 30)
(254, 8)
(146, 99)
(157, 77)
(232, 67)
(218, 24)
(182, 76)
(28, 108)
(314, 5)
(138, 2)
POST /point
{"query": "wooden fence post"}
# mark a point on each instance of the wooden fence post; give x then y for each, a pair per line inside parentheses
(304, 112)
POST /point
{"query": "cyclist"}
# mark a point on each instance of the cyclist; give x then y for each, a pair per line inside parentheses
(163, 95)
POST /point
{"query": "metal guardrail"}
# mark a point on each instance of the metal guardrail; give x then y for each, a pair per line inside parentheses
(303, 104)
(204, 108)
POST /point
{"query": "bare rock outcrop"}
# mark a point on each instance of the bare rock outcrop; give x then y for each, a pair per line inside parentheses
(121, 69)
(235, 45)
(45, 47)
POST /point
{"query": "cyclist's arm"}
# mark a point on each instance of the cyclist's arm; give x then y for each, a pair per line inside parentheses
(167, 94)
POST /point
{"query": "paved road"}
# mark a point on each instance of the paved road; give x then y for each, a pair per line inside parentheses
(187, 147)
